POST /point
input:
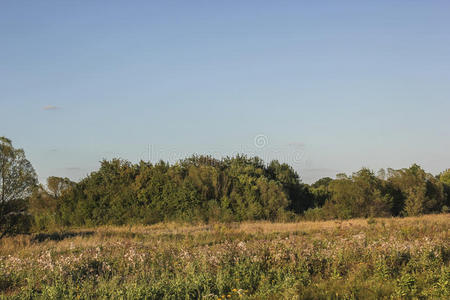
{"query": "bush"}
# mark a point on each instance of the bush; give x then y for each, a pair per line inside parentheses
(198, 189)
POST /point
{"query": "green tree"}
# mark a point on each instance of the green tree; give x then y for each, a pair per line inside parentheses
(43, 207)
(57, 185)
(17, 181)
(444, 178)
(320, 191)
(360, 195)
(422, 193)
(299, 196)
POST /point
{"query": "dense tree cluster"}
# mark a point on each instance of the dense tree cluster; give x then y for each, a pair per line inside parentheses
(204, 189)
(405, 192)
(195, 189)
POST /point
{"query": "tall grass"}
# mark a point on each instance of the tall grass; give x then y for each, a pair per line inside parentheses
(355, 259)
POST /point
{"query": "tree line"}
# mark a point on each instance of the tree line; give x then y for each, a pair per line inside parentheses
(205, 189)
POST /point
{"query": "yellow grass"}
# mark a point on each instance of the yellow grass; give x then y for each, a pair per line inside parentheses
(362, 258)
(100, 234)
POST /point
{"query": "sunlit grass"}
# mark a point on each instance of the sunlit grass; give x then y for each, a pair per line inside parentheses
(360, 258)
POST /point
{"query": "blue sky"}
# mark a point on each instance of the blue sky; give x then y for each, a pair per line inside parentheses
(326, 86)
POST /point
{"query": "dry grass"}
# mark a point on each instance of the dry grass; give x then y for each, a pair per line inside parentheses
(380, 258)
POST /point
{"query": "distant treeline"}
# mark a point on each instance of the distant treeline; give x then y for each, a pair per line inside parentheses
(204, 189)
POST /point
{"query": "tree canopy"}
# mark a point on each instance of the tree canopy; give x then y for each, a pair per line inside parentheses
(198, 188)
(205, 189)
(17, 181)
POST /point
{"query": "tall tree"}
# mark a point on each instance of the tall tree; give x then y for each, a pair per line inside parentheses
(17, 181)
(360, 195)
(57, 185)
(444, 178)
(299, 195)
(422, 192)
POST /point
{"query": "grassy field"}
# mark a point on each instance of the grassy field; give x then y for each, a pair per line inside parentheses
(356, 259)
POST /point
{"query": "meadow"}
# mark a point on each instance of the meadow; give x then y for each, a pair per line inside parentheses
(381, 258)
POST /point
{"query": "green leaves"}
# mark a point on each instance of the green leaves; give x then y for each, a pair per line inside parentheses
(196, 189)
(17, 181)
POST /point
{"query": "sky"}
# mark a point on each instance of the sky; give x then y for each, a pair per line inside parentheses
(325, 86)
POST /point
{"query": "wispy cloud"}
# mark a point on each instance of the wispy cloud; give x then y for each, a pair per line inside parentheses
(51, 107)
(73, 169)
(297, 144)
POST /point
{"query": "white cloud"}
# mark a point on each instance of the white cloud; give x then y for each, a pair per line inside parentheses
(51, 107)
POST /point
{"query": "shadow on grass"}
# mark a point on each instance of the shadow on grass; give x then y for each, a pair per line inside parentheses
(59, 236)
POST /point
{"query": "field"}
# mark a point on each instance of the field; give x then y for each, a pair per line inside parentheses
(355, 259)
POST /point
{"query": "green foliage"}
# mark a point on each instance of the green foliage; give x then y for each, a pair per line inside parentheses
(407, 192)
(320, 191)
(17, 181)
(360, 195)
(196, 189)
(204, 189)
(300, 196)
(57, 185)
(444, 178)
(420, 192)
(316, 214)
